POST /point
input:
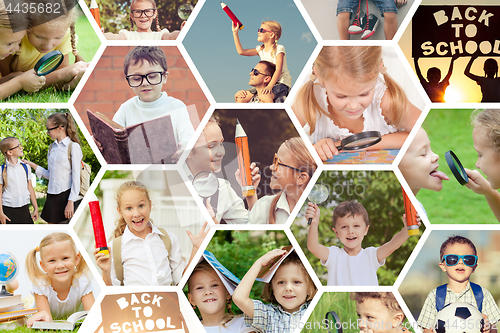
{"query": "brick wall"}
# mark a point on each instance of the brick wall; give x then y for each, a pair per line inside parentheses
(106, 88)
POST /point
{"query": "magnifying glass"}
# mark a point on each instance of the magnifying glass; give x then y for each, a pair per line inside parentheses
(333, 322)
(360, 140)
(456, 167)
(49, 63)
(185, 10)
(206, 184)
(318, 195)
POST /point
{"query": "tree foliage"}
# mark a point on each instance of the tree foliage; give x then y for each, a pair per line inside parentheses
(28, 125)
(380, 193)
(115, 15)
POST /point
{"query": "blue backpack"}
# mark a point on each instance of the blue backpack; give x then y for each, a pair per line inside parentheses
(476, 290)
(25, 170)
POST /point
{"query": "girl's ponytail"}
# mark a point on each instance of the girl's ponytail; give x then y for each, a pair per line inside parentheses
(306, 104)
(71, 128)
(34, 272)
(398, 103)
(74, 40)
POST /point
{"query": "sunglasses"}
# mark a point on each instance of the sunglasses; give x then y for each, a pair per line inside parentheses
(453, 259)
(256, 72)
(135, 80)
(19, 145)
(136, 13)
(262, 30)
(277, 162)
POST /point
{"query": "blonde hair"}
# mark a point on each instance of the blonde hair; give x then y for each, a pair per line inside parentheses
(292, 259)
(274, 27)
(64, 119)
(489, 120)
(130, 185)
(303, 161)
(357, 64)
(35, 273)
(154, 6)
(68, 19)
(14, 21)
(5, 145)
(386, 298)
(205, 267)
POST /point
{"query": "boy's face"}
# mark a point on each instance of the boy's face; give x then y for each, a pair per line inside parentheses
(351, 230)
(419, 165)
(460, 272)
(488, 159)
(375, 316)
(147, 92)
(290, 287)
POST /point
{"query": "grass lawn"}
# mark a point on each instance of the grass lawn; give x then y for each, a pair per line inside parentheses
(451, 130)
(338, 302)
(88, 43)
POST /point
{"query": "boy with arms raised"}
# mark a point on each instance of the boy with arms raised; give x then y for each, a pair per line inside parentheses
(458, 259)
(352, 265)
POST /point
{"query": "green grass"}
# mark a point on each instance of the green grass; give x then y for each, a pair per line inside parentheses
(451, 130)
(88, 43)
(338, 302)
(25, 329)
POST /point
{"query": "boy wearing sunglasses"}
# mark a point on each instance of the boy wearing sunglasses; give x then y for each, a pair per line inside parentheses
(458, 260)
(145, 70)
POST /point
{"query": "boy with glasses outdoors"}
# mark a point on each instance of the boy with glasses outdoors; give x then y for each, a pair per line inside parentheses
(146, 72)
(16, 189)
(458, 258)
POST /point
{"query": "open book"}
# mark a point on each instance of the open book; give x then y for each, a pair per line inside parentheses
(229, 280)
(150, 142)
(68, 324)
(267, 272)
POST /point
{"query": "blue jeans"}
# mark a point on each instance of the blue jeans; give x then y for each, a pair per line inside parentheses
(350, 6)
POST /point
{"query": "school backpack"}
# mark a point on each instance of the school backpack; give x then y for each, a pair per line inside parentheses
(117, 253)
(476, 290)
(85, 171)
(25, 170)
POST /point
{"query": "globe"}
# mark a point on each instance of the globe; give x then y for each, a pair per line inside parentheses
(8, 267)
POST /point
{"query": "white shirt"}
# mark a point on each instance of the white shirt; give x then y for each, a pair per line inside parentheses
(145, 261)
(236, 325)
(346, 270)
(285, 76)
(260, 211)
(16, 193)
(61, 175)
(134, 111)
(135, 35)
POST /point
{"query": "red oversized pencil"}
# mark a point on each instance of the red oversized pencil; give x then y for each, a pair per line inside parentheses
(231, 15)
(411, 215)
(94, 10)
(100, 237)
(243, 154)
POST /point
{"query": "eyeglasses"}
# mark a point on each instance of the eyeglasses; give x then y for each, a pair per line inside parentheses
(19, 145)
(53, 128)
(277, 162)
(262, 30)
(256, 72)
(154, 78)
(453, 259)
(138, 12)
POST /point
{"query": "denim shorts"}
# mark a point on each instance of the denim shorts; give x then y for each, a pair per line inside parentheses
(351, 6)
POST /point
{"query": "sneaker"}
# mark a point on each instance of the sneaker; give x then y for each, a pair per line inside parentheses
(358, 25)
(370, 27)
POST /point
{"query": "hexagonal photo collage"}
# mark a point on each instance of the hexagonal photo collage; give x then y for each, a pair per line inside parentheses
(140, 194)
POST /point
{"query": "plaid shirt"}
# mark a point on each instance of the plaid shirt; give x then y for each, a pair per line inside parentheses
(428, 314)
(271, 318)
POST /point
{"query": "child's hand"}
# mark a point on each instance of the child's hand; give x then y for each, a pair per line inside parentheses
(400, 3)
(73, 74)
(405, 221)
(31, 82)
(35, 215)
(254, 170)
(266, 96)
(326, 148)
(3, 218)
(31, 164)
(178, 153)
(235, 27)
(477, 183)
(102, 260)
(312, 213)
(98, 144)
(487, 327)
(242, 96)
(39, 316)
(266, 258)
(198, 239)
(183, 24)
(69, 210)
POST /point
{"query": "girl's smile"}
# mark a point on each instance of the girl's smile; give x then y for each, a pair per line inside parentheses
(135, 209)
(9, 42)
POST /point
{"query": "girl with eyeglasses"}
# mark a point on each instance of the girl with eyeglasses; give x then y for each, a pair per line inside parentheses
(142, 15)
(268, 34)
(292, 168)
(16, 189)
(64, 161)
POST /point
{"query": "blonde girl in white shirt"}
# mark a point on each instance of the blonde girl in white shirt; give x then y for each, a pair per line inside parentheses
(145, 259)
(64, 178)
